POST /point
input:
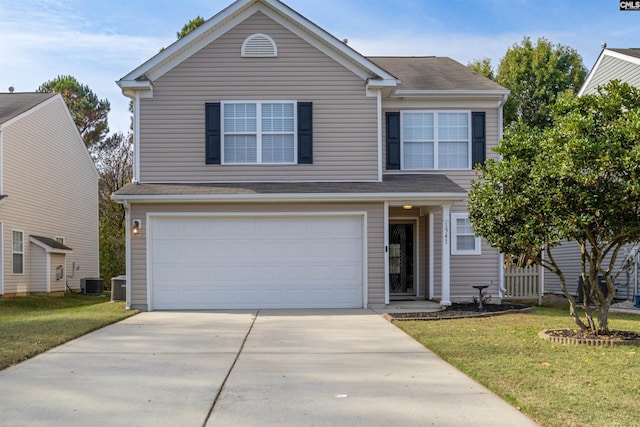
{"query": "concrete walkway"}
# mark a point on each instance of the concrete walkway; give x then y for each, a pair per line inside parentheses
(279, 368)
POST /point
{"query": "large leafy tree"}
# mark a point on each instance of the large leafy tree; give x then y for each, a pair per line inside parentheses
(88, 111)
(577, 180)
(536, 74)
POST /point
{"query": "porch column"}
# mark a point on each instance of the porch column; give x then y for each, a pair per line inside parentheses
(386, 252)
(445, 298)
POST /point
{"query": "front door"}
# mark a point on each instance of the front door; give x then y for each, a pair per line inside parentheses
(402, 281)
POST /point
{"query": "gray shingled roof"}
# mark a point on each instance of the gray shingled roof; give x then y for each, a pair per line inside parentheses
(634, 51)
(13, 104)
(419, 184)
(53, 244)
(434, 73)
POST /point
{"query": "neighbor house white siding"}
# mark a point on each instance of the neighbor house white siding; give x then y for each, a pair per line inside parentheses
(612, 68)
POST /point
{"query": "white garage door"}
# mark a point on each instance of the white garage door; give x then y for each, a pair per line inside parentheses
(256, 262)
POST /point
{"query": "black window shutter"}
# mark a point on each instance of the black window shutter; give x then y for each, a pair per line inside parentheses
(212, 133)
(478, 138)
(393, 140)
(305, 132)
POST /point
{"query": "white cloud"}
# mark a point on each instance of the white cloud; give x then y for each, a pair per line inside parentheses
(43, 40)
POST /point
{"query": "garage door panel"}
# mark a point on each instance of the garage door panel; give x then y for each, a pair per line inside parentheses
(257, 262)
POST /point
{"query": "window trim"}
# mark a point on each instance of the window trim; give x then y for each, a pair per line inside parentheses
(59, 239)
(259, 132)
(454, 236)
(436, 141)
(13, 252)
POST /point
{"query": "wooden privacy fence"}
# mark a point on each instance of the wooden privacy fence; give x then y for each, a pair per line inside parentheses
(523, 283)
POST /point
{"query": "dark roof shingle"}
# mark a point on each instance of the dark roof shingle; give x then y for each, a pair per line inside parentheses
(408, 184)
(53, 244)
(634, 51)
(13, 104)
(434, 73)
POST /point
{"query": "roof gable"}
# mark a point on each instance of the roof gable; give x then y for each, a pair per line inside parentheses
(143, 76)
(14, 104)
(50, 245)
(622, 64)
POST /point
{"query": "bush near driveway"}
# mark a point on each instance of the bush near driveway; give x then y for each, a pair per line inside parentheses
(32, 325)
(555, 384)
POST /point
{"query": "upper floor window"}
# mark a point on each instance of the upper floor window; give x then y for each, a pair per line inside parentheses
(259, 132)
(17, 252)
(435, 140)
(59, 239)
(465, 241)
(259, 45)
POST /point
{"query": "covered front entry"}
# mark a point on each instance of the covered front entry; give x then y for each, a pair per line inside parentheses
(257, 261)
(418, 238)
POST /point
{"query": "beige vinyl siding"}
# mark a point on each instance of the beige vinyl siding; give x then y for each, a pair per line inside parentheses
(172, 143)
(611, 68)
(374, 229)
(38, 269)
(52, 190)
(466, 270)
(57, 285)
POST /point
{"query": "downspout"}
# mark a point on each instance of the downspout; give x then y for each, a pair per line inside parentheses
(127, 221)
(502, 289)
(379, 111)
(136, 138)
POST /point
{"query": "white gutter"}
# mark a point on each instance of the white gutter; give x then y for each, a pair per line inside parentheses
(467, 93)
(379, 127)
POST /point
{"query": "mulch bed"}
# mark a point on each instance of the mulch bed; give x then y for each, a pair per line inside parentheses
(461, 311)
(577, 336)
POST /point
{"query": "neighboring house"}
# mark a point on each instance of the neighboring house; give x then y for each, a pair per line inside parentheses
(276, 167)
(49, 206)
(612, 64)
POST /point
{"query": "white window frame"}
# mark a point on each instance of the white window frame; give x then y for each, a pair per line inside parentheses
(454, 236)
(59, 239)
(259, 132)
(436, 140)
(13, 252)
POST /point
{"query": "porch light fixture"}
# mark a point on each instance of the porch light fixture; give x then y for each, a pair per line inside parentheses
(135, 226)
(407, 207)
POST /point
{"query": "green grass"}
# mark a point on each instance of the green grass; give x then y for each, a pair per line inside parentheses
(555, 384)
(32, 325)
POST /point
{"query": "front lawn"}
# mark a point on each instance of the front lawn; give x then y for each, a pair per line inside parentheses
(31, 325)
(555, 384)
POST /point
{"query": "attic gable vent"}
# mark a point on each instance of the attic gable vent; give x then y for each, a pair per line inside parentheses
(259, 45)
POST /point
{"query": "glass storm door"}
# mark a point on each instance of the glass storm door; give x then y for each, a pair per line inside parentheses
(401, 260)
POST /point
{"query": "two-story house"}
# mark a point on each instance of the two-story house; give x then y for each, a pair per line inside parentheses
(276, 167)
(48, 198)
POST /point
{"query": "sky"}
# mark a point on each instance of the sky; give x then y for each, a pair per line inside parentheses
(100, 41)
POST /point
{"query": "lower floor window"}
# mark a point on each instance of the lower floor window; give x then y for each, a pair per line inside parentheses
(17, 249)
(465, 241)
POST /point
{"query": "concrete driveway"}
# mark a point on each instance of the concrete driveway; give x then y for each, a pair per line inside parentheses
(267, 368)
